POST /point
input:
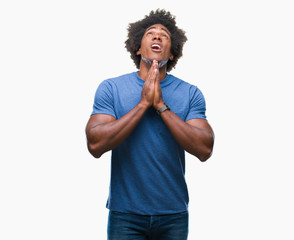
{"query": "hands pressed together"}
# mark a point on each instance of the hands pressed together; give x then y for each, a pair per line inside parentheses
(151, 94)
(104, 132)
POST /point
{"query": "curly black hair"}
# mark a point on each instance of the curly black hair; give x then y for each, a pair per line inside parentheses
(137, 29)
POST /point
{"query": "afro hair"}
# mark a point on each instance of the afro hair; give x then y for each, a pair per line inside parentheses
(137, 29)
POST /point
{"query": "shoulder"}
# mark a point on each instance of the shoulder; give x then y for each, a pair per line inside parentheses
(119, 79)
(114, 82)
(187, 86)
(177, 80)
(189, 91)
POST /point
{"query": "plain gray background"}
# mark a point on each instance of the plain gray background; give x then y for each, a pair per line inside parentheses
(55, 53)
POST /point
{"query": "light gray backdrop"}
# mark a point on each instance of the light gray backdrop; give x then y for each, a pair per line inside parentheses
(53, 55)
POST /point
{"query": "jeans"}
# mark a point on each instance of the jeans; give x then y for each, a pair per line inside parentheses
(123, 226)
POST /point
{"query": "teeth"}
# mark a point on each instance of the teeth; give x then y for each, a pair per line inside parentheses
(155, 45)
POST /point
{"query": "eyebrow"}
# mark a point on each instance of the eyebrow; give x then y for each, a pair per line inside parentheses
(161, 29)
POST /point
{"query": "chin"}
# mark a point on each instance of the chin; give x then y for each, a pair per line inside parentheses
(156, 57)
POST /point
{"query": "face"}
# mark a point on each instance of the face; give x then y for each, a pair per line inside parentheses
(156, 43)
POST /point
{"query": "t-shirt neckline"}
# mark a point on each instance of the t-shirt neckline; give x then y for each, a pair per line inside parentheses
(164, 82)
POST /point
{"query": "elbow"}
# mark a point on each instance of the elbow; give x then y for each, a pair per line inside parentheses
(207, 150)
(95, 143)
(205, 156)
(96, 155)
(94, 150)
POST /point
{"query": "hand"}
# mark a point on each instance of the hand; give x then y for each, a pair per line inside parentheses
(148, 91)
(158, 100)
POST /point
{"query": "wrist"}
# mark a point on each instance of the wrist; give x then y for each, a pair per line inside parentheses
(162, 109)
(159, 105)
(143, 105)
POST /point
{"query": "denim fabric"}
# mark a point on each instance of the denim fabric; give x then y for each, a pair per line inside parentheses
(123, 226)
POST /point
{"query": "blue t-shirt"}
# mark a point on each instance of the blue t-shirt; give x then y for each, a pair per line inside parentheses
(148, 168)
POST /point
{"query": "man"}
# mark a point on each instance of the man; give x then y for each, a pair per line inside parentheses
(149, 119)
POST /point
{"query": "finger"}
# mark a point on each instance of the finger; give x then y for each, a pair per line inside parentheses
(157, 75)
(155, 69)
(151, 74)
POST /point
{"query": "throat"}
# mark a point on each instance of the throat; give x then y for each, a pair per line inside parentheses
(146, 60)
(160, 63)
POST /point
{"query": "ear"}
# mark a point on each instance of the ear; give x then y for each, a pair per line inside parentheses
(139, 52)
(171, 57)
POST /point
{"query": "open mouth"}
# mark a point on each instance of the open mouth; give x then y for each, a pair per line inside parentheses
(156, 47)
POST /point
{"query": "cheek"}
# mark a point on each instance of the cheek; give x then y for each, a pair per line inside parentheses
(168, 49)
(143, 45)
(168, 44)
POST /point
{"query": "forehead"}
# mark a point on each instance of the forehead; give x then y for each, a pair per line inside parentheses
(158, 27)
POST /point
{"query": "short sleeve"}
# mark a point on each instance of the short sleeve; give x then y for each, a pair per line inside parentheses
(197, 107)
(103, 102)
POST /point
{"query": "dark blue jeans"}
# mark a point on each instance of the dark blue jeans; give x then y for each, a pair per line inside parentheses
(123, 226)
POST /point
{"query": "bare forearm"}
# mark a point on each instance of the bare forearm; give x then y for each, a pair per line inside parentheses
(197, 141)
(103, 137)
(106, 133)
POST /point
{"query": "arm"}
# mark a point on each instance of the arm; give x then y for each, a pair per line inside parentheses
(195, 136)
(105, 133)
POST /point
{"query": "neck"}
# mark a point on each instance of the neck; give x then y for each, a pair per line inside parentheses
(145, 67)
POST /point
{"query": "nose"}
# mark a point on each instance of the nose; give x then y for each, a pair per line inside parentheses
(156, 36)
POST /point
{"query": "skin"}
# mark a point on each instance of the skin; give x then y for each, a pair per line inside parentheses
(105, 133)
